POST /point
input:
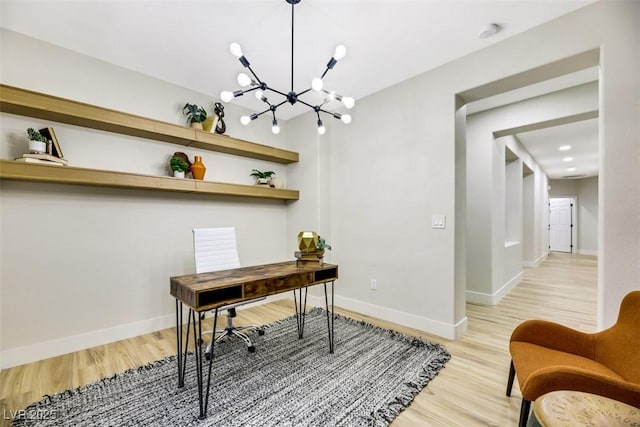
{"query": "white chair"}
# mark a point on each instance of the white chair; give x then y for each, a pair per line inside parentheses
(215, 249)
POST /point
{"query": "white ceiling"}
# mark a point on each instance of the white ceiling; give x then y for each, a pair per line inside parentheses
(543, 144)
(186, 42)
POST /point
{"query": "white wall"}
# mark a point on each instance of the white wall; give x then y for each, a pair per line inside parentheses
(585, 191)
(394, 167)
(82, 265)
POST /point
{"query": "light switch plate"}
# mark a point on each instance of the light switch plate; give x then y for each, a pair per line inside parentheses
(438, 221)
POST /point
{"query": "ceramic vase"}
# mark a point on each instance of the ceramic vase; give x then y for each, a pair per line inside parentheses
(178, 174)
(198, 168)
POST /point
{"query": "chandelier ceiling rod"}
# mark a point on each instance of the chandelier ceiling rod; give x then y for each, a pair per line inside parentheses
(291, 97)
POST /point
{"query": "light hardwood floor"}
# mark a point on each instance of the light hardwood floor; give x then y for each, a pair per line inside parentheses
(469, 391)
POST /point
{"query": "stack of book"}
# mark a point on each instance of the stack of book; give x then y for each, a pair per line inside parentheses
(43, 158)
(309, 259)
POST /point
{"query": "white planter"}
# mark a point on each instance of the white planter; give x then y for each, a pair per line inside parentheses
(178, 174)
(37, 146)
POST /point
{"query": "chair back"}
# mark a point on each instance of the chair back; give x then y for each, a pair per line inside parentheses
(215, 249)
(618, 347)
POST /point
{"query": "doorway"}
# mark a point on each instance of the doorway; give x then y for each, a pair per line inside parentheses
(561, 224)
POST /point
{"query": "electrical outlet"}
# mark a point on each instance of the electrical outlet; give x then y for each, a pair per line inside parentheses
(374, 284)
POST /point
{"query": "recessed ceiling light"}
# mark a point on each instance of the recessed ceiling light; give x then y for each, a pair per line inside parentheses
(571, 169)
(567, 159)
(489, 30)
(564, 148)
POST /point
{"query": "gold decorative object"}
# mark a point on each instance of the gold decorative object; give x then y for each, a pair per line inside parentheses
(308, 241)
(310, 253)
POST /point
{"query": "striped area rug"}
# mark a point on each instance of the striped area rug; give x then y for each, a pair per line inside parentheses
(372, 376)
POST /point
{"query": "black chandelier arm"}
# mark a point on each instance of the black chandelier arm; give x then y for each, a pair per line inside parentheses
(325, 72)
(237, 93)
(261, 113)
(278, 105)
(255, 75)
(276, 91)
(317, 109)
(313, 107)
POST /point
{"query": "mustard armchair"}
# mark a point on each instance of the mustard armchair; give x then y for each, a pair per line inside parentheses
(547, 357)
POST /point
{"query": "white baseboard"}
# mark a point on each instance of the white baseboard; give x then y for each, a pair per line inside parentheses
(44, 350)
(430, 326)
(536, 263)
(493, 299)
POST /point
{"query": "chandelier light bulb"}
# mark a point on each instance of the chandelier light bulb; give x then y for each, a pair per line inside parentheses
(244, 80)
(245, 120)
(321, 128)
(226, 96)
(275, 128)
(340, 52)
(260, 95)
(348, 102)
(317, 84)
(346, 118)
(235, 49)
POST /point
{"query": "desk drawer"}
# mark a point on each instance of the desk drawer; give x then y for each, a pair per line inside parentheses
(275, 286)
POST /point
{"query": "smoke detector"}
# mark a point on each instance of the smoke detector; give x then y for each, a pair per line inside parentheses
(489, 30)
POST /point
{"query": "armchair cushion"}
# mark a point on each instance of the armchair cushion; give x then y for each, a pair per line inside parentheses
(541, 369)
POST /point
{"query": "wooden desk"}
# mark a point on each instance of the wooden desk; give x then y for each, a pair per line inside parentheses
(211, 291)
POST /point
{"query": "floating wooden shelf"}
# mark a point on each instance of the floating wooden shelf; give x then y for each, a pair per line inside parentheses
(34, 104)
(19, 171)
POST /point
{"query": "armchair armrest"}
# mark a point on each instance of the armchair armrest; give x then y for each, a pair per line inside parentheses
(555, 336)
(578, 379)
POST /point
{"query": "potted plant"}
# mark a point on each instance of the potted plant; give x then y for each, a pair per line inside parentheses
(262, 178)
(195, 115)
(322, 243)
(37, 141)
(179, 166)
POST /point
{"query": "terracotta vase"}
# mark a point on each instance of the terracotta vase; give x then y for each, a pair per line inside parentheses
(198, 168)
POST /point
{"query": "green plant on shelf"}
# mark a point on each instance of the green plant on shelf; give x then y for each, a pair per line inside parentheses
(194, 113)
(178, 164)
(34, 135)
(262, 175)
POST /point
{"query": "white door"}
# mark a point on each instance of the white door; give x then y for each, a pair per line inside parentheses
(560, 224)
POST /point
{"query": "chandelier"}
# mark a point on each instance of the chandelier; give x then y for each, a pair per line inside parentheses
(250, 84)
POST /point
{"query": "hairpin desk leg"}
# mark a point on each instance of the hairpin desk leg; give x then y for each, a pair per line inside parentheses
(179, 342)
(197, 333)
(301, 310)
(215, 326)
(330, 316)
